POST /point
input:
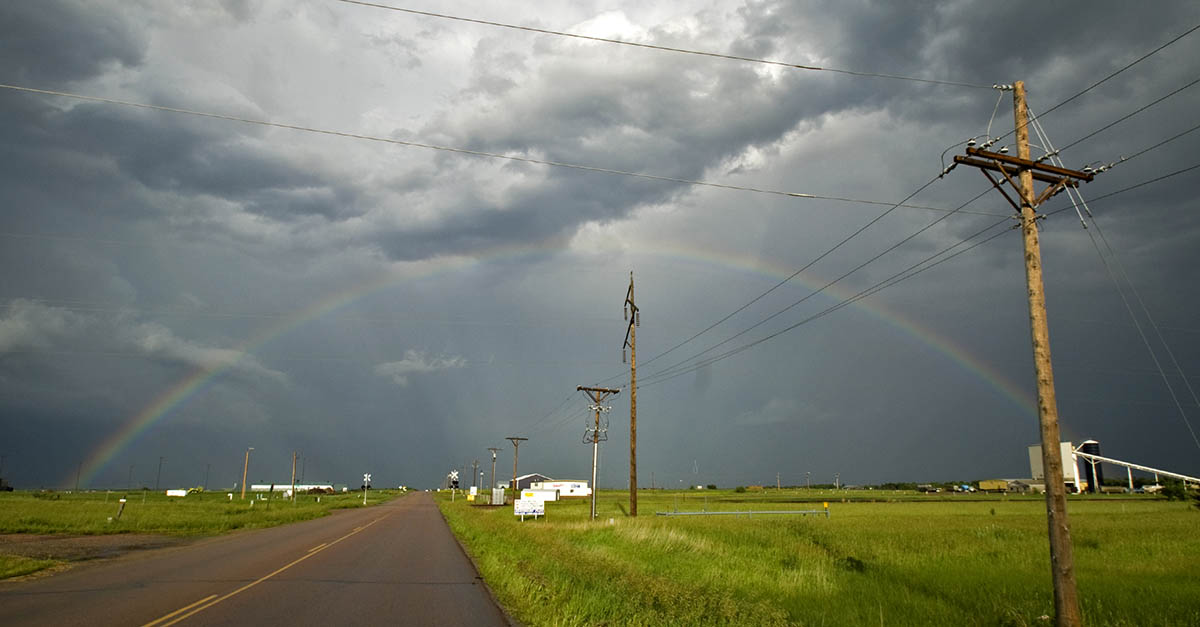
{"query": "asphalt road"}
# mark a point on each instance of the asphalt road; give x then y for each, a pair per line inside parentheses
(392, 564)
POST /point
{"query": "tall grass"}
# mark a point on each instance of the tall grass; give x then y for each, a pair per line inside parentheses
(195, 514)
(929, 562)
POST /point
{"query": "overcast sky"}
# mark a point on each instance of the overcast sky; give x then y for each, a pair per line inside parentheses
(187, 287)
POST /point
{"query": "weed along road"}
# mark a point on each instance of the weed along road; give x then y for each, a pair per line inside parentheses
(395, 563)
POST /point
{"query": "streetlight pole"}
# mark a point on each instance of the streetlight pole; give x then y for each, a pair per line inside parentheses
(493, 450)
(245, 467)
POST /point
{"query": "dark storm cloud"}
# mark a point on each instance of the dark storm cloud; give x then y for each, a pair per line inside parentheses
(143, 247)
(44, 44)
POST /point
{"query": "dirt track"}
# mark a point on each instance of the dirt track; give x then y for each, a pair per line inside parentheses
(72, 548)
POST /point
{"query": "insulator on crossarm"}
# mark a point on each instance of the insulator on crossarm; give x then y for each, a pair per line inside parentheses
(638, 316)
(625, 311)
(623, 355)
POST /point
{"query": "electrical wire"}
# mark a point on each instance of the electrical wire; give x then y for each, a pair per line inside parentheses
(1126, 117)
(554, 411)
(1130, 188)
(1160, 144)
(908, 273)
(634, 44)
(793, 275)
(819, 290)
(1107, 78)
(1072, 194)
(465, 151)
(903, 275)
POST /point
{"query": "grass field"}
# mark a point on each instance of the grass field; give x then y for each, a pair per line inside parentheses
(89, 513)
(918, 560)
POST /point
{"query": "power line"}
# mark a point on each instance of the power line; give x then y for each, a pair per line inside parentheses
(792, 275)
(1106, 78)
(903, 275)
(465, 151)
(1160, 144)
(622, 42)
(1127, 116)
(1034, 119)
(1130, 188)
(1072, 194)
(823, 288)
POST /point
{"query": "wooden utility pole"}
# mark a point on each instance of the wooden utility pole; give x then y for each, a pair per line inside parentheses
(245, 467)
(293, 477)
(516, 453)
(597, 395)
(1066, 599)
(635, 320)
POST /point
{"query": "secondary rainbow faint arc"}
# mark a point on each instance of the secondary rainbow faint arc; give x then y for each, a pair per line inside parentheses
(188, 386)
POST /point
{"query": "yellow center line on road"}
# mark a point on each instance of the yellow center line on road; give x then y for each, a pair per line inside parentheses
(207, 602)
(181, 610)
(319, 546)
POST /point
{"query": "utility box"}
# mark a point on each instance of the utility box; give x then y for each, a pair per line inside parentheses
(498, 496)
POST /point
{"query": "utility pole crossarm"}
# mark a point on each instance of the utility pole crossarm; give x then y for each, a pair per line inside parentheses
(1032, 166)
(592, 392)
(1012, 168)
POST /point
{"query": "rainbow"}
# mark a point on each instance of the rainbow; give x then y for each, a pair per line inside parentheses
(188, 387)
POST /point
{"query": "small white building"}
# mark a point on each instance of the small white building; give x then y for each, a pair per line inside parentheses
(566, 489)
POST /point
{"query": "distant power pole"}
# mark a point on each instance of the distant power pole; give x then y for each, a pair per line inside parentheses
(129, 481)
(474, 472)
(293, 476)
(635, 320)
(777, 486)
(78, 470)
(207, 468)
(493, 450)
(597, 395)
(159, 475)
(516, 453)
(1066, 599)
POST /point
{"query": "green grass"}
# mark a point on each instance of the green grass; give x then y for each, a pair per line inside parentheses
(196, 514)
(15, 565)
(88, 513)
(936, 560)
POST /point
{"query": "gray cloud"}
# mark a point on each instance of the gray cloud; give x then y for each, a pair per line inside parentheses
(416, 362)
(141, 247)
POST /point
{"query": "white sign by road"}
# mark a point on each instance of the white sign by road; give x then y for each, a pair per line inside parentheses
(529, 507)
